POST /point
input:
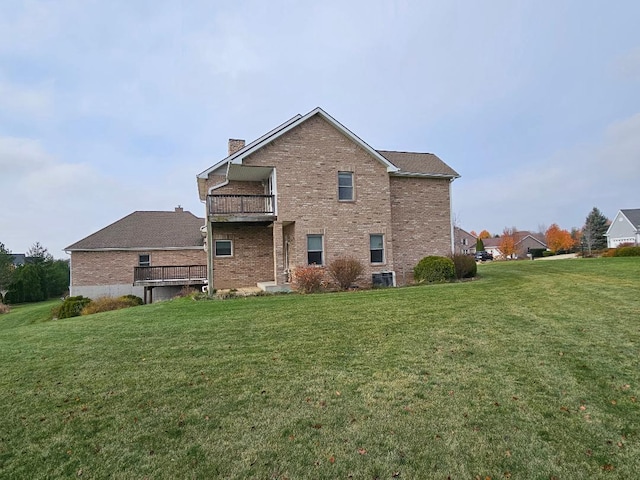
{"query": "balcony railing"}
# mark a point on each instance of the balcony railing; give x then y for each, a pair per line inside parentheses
(170, 275)
(241, 205)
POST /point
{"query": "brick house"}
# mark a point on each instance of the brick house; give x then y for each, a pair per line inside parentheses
(464, 242)
(149, 254)
(310, 191)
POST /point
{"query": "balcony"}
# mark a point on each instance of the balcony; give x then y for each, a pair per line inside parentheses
(170, 275)
(241, 208)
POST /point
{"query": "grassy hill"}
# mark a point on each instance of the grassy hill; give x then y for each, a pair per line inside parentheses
(530, 371)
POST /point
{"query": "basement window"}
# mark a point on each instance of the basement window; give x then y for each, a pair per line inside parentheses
(224, 248)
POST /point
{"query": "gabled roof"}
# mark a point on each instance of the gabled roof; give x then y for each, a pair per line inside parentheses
(18, 259)
(633, 215)
(464, 232)
(290, 124)
(146, 230)
(419, 164)
(520, 236)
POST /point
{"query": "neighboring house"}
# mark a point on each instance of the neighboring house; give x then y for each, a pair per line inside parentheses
(464, 243)
(526, 242)
(311, 191)
(149, 254)
(19, 259)
(625, 228)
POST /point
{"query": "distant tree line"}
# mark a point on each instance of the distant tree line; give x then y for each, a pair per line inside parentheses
(39, 278)
(588, 239)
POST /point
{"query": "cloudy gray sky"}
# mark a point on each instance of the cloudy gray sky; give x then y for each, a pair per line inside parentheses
(111, 107)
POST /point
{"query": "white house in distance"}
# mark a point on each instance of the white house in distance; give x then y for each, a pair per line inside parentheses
(625, 228)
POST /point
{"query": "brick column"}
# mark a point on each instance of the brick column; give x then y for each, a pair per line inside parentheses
(278, 254)
(210, 255)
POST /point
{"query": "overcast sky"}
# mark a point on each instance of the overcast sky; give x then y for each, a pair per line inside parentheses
(111, 107)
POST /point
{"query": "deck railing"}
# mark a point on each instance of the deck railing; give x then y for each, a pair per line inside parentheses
(182, 273)
(241, 204)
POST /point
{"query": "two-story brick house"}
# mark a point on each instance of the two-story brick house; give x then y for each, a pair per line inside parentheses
(310, 191)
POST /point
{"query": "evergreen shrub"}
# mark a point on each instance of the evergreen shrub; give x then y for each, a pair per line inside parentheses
(434, 269)
(70, 307)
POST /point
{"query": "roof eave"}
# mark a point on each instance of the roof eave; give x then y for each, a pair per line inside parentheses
(425, 175)
(240, 155)
(131, 249)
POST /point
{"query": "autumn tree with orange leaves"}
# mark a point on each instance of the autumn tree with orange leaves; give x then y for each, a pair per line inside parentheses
(508, 242)
(484, 234)
(558, 239)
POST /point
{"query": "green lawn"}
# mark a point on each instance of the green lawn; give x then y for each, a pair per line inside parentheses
(530, 371)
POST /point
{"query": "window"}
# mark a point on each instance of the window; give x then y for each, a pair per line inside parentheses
(345, 186)
(314, 249)
(224, 248)
(144, 260)
(376, 247)
(464, 241)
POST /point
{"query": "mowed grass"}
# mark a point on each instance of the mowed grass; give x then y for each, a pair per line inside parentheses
(530, 371)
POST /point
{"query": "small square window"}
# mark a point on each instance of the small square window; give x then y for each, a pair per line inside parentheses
(376, 247)
(345, 186)
(144, 260)
(224, 248)
(314, 250)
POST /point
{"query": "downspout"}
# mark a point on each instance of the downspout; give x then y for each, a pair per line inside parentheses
(451, 233)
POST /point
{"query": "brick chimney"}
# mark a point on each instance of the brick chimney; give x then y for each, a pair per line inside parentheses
(235, 145)
(179, 209)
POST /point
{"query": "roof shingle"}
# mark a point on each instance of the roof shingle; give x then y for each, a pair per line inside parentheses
(178, 229)
(419, 163)
(633, 214)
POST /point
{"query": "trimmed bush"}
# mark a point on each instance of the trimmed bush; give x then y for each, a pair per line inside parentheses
(627, 252)
(465, 266)
(345, 271)
(308, 279)
(70, 307)
(107, 304)
(434, 269)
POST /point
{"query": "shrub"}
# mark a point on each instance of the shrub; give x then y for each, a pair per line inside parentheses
(434, 269)
(465, 266)
(70, 307)
(308, 279)
(106, 304)
(4, 308)
(345, 271)
(627, 252)
(135, 300)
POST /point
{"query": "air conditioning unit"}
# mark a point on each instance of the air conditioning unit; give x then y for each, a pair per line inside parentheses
(384, 279)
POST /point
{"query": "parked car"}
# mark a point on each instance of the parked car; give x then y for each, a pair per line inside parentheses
(483, 255)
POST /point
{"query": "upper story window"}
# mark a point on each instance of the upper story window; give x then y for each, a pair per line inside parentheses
(144, 260)
(376, 247)
(315, 252)
(224, 248)
(464, 241)
(345, 186)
